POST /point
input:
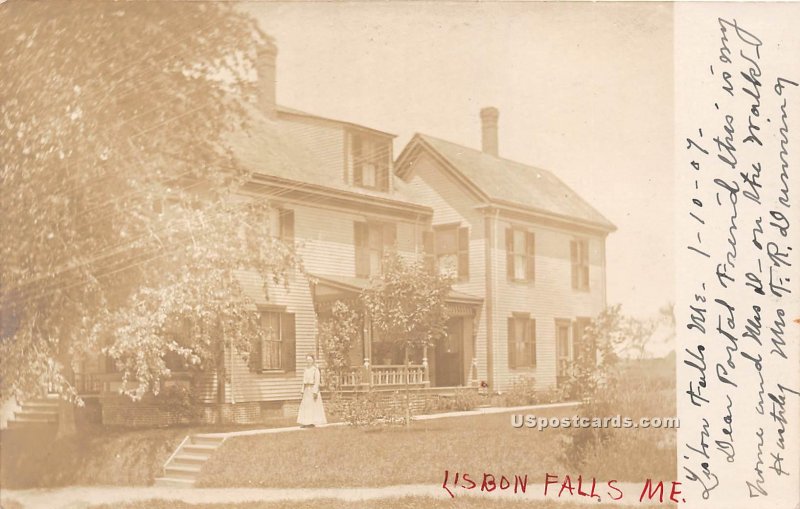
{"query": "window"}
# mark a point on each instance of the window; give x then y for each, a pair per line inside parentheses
(275, 350)
(521, 341)
(520, 254)
(564, 353)
(371, 241)
(282, 224)
(371, 157)
(447, 250)
(579, 256)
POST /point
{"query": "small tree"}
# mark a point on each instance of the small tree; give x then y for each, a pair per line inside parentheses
(407, 307)
(606, 335)
(336, 336)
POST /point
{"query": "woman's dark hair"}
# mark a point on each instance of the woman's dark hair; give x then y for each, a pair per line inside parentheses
(311, 355)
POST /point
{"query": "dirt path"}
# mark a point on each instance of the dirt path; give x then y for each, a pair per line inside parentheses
(86, 496)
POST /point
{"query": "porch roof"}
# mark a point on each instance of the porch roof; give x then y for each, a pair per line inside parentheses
(358, 284)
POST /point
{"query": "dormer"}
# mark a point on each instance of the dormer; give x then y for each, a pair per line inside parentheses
(368, 159)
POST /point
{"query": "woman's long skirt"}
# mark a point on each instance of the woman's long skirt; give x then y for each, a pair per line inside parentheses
(311, 409)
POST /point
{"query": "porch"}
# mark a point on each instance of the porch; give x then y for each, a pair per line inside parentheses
(449, 363)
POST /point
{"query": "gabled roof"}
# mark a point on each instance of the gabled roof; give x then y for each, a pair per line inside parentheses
(503, 182)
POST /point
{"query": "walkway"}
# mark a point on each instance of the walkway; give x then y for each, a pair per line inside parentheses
(444, 415)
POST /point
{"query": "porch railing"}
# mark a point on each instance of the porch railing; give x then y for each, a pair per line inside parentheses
(380, 375)
(396, 375)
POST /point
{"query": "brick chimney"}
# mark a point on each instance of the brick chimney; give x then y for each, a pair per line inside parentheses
(489, 118)
(265, 67)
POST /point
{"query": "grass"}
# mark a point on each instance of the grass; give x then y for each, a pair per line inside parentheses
(357, 457)
(94, 456)
(388, 503)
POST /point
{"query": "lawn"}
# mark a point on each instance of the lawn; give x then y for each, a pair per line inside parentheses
(389, 503)
(95, 455)
(355, 457)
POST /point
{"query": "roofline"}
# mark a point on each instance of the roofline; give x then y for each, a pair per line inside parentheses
(533, 211)
(419, 143)
(263, 178)
(284, 110)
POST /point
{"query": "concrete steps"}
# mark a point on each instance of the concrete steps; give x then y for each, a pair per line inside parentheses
(36, 413)
(183, 467)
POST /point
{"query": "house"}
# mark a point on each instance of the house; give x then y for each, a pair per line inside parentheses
(529, 255)
(535, 252)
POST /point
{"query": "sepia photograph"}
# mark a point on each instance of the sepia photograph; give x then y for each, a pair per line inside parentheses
(283, 255)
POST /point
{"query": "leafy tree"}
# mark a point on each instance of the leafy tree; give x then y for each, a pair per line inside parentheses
(407, 306)
(337, 334)
(606, 336)
(118, 191)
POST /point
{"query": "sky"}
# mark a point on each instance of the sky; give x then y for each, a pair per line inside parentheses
(584, 90)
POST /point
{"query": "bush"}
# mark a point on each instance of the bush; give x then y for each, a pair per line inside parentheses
(642, 393)
(522, 392)
(370, 408)
(181, 400)
(462, 400)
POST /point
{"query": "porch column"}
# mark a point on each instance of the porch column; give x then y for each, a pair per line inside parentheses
(367, 339)
(425, 374)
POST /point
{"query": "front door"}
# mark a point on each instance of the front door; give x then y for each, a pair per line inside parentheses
(448, 370)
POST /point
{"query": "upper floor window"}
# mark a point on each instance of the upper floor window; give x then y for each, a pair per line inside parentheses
(447, 250)
(372, 241)
(371, 158)
(579, 257)
(520, 254)
(282, 224)
(521, 341)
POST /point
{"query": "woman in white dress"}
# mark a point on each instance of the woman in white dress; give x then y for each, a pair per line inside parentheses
(311, 411)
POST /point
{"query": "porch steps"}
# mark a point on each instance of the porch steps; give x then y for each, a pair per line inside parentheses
(35, 414)
(183, 467)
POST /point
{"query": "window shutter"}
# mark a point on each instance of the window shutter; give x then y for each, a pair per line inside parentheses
(463, 253)
(361, 235)
(573, 256)
(532, 339)
(510, 253)
(427, 249)
(585, 265)
(530, 258)
(286, 218)
(357, 160)
(255, 361)
(512, 345)
(288, 349)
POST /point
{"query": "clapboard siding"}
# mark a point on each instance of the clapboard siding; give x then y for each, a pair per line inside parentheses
(548, 298)
(451, 203)
(325, 242)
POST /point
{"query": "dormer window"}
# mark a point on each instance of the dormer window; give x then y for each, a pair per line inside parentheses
(371, 158)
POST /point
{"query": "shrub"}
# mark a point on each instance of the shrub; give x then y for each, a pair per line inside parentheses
(522, 392)
(462, 400)
(629, 392)
(179, 399)
(370, 408)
